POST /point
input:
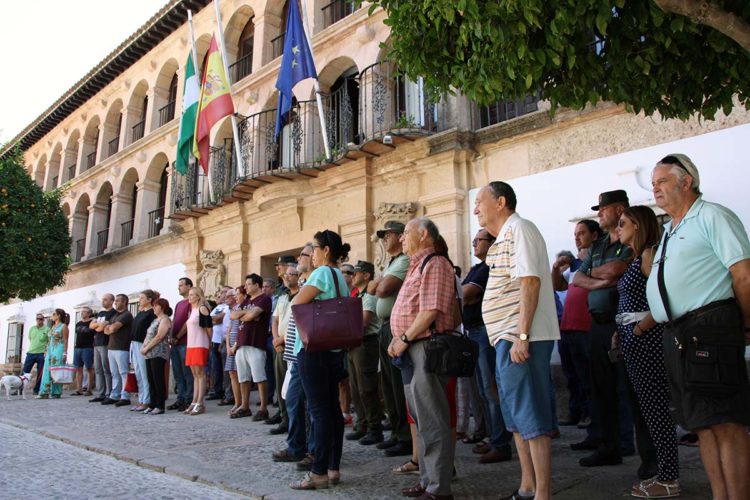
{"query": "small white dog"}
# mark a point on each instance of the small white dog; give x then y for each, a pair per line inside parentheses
(12, 382)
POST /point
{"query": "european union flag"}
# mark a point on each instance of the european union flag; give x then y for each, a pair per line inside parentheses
(296, 65)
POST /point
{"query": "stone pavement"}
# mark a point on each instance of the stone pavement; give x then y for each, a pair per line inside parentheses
(235, 455)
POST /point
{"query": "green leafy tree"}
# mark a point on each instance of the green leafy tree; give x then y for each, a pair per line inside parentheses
(675, 57)
(34, 239)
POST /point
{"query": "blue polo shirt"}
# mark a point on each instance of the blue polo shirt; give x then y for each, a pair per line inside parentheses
(700, 251)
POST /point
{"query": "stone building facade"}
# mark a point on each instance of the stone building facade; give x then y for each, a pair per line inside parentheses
(110, 144)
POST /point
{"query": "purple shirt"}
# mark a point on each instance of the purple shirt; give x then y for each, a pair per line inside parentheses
(181, 314)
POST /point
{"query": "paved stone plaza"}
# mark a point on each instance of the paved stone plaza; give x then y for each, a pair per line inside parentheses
(71, 448)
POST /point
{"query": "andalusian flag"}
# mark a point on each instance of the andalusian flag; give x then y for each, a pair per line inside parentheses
(214, 104)
(187, 122)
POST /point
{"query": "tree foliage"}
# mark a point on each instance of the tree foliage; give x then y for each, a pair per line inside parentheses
(34, 239)
(575, 52)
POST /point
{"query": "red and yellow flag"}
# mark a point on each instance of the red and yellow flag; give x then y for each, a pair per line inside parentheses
(215, 102)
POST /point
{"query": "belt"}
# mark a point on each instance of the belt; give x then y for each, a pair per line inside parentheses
(630, 317)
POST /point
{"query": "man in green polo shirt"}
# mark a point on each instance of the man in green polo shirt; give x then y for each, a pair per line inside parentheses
(38, 340)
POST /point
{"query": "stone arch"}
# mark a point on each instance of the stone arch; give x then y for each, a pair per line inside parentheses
(165, 94)
(40, 171)
(70, 156)
(239, 36)
(137, 113)
(79, 227)
(201, 49)
(112, 129)
(90, 154)
(127, 207)
(52, 179)
(339, 81)
(101, 217)
(153, 194)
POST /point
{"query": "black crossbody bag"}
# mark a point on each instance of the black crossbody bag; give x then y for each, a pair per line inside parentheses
(711, 341)
(450, 353)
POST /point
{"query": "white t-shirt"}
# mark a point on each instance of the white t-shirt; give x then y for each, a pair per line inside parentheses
(220, 330)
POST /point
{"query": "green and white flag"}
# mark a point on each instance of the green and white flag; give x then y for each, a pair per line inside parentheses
(187, 122)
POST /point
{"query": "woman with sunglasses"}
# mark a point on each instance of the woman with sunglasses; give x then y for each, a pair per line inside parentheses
(640, 339)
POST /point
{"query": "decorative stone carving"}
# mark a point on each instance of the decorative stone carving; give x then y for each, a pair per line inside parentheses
(365, 33)
(103, 102)
(401, 212)
(127, 83)
(84, 116)
(140, 156)
(214, 272)
(252, 97)
(93, 183)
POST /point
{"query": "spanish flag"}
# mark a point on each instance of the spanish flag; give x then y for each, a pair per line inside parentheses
(215, 102)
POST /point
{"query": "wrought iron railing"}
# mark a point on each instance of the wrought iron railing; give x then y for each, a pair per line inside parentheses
(277, 45)
(101, 241)
(505, 110)
(91, 159)
(126, 229)
(113, 145)
(166, 114)
(336, 11)
(71, 172)
(138, 129)
(80, 249)
(241, 68)
(389, 102)
(155, 222)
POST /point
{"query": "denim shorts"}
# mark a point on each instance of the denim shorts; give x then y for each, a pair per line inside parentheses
(524, 389)
(83, 356)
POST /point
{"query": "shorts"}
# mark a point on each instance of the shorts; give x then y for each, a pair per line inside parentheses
(251, 364)
(524, 389)
(196, 356)
(695, 411)
(83, 356)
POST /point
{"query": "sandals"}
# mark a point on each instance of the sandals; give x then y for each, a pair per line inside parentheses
(76, 393)
(234, 410)
(189, 409)
(410, 467)
(157, 411)
(241, 413)
(653, 488)
(473, 439)
(310, 483)
(334, 477)
(198, 409)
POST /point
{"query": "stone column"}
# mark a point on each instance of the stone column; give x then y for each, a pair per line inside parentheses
(100, 147)
(121, 207)
(267, 27)
(81, 157)
(147, 200)
(70, 155)
(159, 98)
(123, 132)
(108, 133)
(168, 201)
(97, 220)
(151, 110)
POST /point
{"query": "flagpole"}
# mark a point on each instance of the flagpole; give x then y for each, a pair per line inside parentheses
(235, 130)
(198, 71)
(321, 115)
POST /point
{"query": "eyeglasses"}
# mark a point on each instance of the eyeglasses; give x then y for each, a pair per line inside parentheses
(477, 240)
(303, 254)
(348, 273)
(40, 319)
(289, 274)
(316, 246)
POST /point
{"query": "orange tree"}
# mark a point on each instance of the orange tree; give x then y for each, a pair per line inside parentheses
(34, 239)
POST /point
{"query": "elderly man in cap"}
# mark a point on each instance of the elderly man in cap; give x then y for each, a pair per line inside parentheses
(700, 286)
(386, 289)
(602, 266)
(363, 364)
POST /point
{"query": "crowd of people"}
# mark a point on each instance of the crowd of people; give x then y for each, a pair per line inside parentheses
(650, 325)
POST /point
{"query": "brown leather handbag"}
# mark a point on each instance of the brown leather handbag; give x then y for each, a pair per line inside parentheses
(330, 324)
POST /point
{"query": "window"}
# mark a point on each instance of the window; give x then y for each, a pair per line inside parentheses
(244, 64)
(502, 111)
(15, 341)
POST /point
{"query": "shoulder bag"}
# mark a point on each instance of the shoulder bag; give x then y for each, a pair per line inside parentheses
(329, 324)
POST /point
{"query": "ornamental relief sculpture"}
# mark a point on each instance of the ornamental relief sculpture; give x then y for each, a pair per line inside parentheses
(214, 273)
(401, 212)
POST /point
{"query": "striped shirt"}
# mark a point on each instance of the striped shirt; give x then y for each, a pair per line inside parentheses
(520, 251)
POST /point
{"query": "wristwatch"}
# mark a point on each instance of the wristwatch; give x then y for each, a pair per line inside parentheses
(405, 339)
(523, 336)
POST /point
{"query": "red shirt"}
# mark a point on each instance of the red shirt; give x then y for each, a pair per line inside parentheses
(255, 333)
(576, 317)
(182, 312)
(431, 290)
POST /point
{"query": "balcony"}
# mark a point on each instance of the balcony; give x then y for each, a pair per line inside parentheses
(101, 241)
(241, 68)
(336, 11)
(368, 115)
(277, 46)
(166, 114)
(80, 248)
(503, 111)
(138, 130)
(113, 145)
(90, 159)
(71, 172)
(126, 232)
(155, 222)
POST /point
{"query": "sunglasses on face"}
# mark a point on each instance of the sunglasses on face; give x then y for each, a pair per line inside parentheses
(348, 273)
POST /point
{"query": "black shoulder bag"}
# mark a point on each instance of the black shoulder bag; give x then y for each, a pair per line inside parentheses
(449, 353)
(711, 341)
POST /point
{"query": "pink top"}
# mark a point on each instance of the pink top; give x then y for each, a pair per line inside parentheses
(196, 336)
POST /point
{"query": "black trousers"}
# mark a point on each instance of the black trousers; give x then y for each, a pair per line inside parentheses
(393, 388)
(156, 385)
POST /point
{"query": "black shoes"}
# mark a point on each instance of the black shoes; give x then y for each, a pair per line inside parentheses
(401, 449)
(585, 445)
(372, 437)
(213, 397)
(598, 459)
(109, 401)
(97, 399)
(355, 435)
(281, 429)
(175, 406)
(275, 420)
(391, 441)
(123, 402)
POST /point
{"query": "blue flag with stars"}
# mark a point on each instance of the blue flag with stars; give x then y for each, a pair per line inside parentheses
(296, 65)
